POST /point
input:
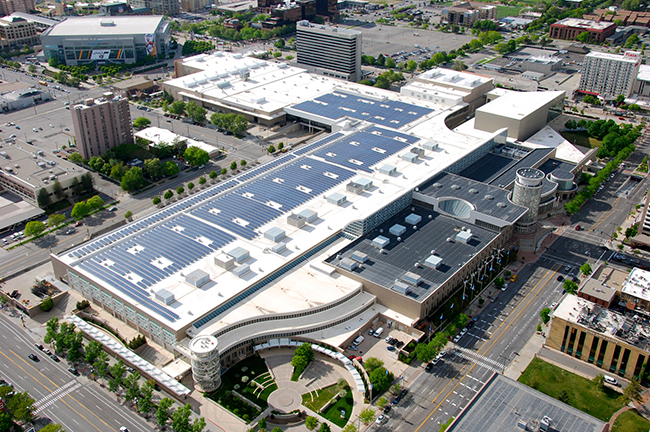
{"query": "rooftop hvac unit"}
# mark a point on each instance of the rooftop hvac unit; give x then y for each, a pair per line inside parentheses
(401, 288)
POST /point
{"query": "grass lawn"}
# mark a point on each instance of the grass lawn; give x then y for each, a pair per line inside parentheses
(572, 389)
(333, 413)
(581, 138)
(630, 421)
(324, 396)
(504, 11)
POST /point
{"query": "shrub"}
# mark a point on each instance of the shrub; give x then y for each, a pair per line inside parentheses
(83, 304)
(137, 342)
(47, 304)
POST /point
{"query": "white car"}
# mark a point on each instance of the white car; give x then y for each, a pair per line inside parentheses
(380, 419)
(463, 331)
(457, 338)
(123, 429)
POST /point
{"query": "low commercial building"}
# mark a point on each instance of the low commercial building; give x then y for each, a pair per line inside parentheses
(522, 113)
(635, 294)
(115, 39)
(464, 14)
(570, 28)
(503, 404)
(636, 18)
(12, 98)
(617, 343)
(25, 170)
(16, 32)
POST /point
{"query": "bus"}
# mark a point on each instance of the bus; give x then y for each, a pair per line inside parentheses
(43, 83)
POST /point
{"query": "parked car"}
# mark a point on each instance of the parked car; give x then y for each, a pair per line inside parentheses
(33, 357)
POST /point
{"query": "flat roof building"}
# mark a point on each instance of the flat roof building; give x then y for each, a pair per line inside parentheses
(504, 404)
(16, 32)
(609, 75)
(570, 28)
(329, 50)
(115, 39)
(25, 170)
(41, 23)
(8, 7)
(101, 124)
(522, 113)
(615, 342)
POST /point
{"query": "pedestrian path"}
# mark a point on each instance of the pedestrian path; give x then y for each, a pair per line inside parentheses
(57, 394)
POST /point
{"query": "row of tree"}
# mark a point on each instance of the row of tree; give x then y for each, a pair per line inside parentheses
(78, 188)
(66, 339)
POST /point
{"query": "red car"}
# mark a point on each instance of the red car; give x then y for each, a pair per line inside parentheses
(578, 228)
(78, 224)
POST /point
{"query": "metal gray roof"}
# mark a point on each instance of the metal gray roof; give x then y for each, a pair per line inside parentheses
(455, 186)
(502, 402)
(399, 257)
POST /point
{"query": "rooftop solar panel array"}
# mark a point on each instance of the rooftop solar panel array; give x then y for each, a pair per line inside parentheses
(257, 203)
(362, 150)
(264, 168)
(316, 144)
(136, 264)
(389, 113)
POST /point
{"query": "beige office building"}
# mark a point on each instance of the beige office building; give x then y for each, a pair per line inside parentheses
(616, 343)
(101, 124)
(16, 32)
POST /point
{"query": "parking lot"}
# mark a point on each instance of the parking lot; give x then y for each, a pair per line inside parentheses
(378, 348)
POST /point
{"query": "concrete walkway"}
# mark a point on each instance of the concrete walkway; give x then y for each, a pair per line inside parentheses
(322, 372)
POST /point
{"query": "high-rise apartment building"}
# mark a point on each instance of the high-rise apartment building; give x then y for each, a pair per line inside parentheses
(329, 50)
(7, 7)
(101, 124)
(609, 74)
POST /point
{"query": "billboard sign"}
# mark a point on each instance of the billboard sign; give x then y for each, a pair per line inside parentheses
(150, 44)
(100, 54)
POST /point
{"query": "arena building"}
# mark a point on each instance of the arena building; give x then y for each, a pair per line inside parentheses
(114, 39)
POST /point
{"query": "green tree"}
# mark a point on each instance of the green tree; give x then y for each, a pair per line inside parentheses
(52, 330)
(76, 187)
(153, 168)
(177, 107)
(633, 392)
(141, 123)
(196, 112)
(196, 156)
(271, 149)
(77, 158)
(279, 44)
(43, 199)
(311, 423)
(58, 190)
(599, 380)
(162, 414)
(190, 186)
(213, 175)
(411, 66)
(47, 304)
(324, 427)
(390, 63)
(145, 404)
(101, 364)
(95, 202)
(372, 363)
(133, 179)
(156, 200)
(305, 350)
(570, 286)
(242, 163)
(459, 66)
(239, 124)
(202, 180)
(299, 363)
(21, 406)
(92, 351)
(224, 171)
(381, 379)
(34, 228)
(131, 383)
(180, 190)
(261, 423)
(117, 372)
(583, 37)
(75, 345)
(367, 416)
(87, 182)
(350, 426)
(546, 315)
(52, 427)
(168, 194)
(170, 168)
(55, 220)
(233, 166)
(585, 269)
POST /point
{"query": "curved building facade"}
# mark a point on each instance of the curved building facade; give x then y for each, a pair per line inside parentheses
(527, 192)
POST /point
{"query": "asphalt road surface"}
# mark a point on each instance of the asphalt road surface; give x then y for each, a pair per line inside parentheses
(76, 402)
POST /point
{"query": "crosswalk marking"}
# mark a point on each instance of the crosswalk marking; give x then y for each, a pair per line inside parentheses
(48, 400)
(480, 361)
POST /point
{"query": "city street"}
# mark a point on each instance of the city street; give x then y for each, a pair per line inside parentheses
(75, 402)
